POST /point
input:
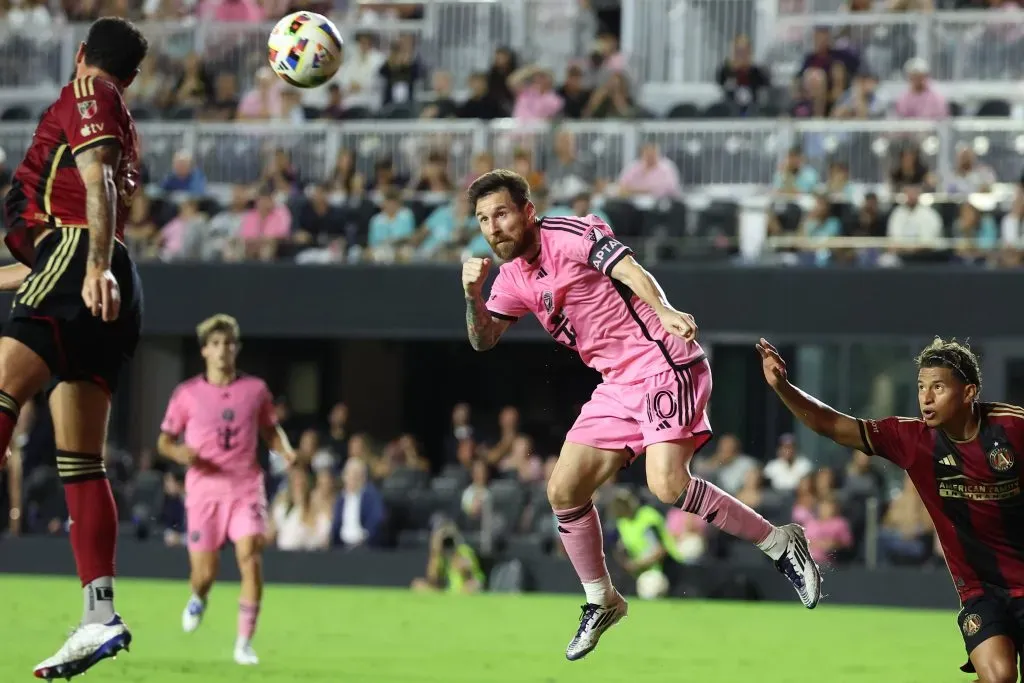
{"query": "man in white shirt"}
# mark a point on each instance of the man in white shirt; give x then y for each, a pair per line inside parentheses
(788, 467)
(728, 466)
(359, 76)
(914, 227)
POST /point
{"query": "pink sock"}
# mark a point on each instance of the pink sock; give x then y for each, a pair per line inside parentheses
(717, 507)
(580, 529)
(248, 613)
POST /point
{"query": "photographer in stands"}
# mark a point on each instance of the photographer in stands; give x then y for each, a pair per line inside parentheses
(452, 565)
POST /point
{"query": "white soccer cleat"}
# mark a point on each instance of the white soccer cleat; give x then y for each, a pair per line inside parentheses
(193, 615)
(87, 645)
(594, 621)
(245, 655)
(797, 566)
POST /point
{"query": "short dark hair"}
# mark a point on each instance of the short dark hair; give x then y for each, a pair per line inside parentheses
(952, 354)
(496, 181)
(116, 46)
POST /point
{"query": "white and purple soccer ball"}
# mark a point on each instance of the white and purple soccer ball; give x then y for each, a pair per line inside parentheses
(305, 49)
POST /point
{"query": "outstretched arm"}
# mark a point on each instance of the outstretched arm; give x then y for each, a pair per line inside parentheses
(814, 414)
(630, 273)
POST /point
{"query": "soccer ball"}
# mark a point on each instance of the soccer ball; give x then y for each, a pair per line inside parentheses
(651, 585)
(305, 49)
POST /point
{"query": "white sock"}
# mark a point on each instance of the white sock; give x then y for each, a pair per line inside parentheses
(775, 544)
(196, 598)
(599, 592)
(99, 601)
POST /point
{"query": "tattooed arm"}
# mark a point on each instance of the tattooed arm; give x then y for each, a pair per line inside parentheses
(100, 291)
(483, 328)
(98, 166)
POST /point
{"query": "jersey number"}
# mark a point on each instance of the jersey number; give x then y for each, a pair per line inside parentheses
(227, 436)
(563, 330)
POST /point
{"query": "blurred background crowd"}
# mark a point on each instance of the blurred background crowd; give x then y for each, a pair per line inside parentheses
(875, 134)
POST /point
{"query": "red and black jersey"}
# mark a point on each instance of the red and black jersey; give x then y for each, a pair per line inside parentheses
(972, 490)
(47, 190)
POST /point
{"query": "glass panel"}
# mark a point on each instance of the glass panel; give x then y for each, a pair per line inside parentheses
(819, 373)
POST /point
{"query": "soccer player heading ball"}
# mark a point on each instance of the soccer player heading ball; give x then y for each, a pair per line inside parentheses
(962, 457)
(587, 289)
(78, 308)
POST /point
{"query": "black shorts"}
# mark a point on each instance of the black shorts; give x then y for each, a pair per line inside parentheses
(992, 614)
(49, 316)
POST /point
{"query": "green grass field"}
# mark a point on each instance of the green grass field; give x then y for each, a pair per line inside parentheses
(314, 635)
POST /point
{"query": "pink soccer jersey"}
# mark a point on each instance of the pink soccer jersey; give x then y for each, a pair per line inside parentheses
(569, 289)
(222, 424)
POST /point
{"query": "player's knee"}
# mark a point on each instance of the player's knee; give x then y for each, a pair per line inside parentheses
(668, 485)
(567, 492)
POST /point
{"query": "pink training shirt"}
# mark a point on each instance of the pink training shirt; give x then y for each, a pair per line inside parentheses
(569, 288)
(222, 424)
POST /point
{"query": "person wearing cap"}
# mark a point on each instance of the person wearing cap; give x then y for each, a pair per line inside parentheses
(920, 100)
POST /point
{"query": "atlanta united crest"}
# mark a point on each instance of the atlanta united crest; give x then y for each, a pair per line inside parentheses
(1000, 459)
(972, 624)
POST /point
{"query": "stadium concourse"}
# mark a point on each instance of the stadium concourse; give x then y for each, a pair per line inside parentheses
(869, 135)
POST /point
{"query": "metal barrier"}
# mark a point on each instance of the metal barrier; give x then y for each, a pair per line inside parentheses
(685, 41)
(707, 152)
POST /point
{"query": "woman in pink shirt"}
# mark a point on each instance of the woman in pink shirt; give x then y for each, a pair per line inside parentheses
(806, 501)
(829, 532)
(536, 99)
(264, 227)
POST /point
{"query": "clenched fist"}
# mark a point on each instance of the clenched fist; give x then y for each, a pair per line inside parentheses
(474, 272)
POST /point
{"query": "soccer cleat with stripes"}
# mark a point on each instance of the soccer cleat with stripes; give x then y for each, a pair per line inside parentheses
(86, 646)
(797, 566)
(594, 621)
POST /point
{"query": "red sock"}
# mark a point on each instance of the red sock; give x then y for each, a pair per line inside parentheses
(93, 514)
(9, 410)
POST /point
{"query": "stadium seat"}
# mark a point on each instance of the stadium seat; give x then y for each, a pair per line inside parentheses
(996, 109)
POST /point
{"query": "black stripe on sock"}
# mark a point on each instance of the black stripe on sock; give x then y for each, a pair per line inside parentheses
(9, 405)
(567, 518)
(74, 467)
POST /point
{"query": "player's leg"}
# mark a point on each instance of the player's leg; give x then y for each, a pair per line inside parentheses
(23, 374)
(203, 567)
(990, 631)
(580, 470)
(80, 411)
(995, 660)
(675, 426)
(247, 528)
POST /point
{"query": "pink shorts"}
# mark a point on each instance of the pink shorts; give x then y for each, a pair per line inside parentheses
(670, 406)
(212, 521)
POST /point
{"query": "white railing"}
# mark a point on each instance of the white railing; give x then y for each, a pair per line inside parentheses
(707, 152)
(685, 41)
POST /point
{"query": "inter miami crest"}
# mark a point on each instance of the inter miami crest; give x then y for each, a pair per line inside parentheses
(1000, 458)
(548, 299)
(971, 625)
(228, 415)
